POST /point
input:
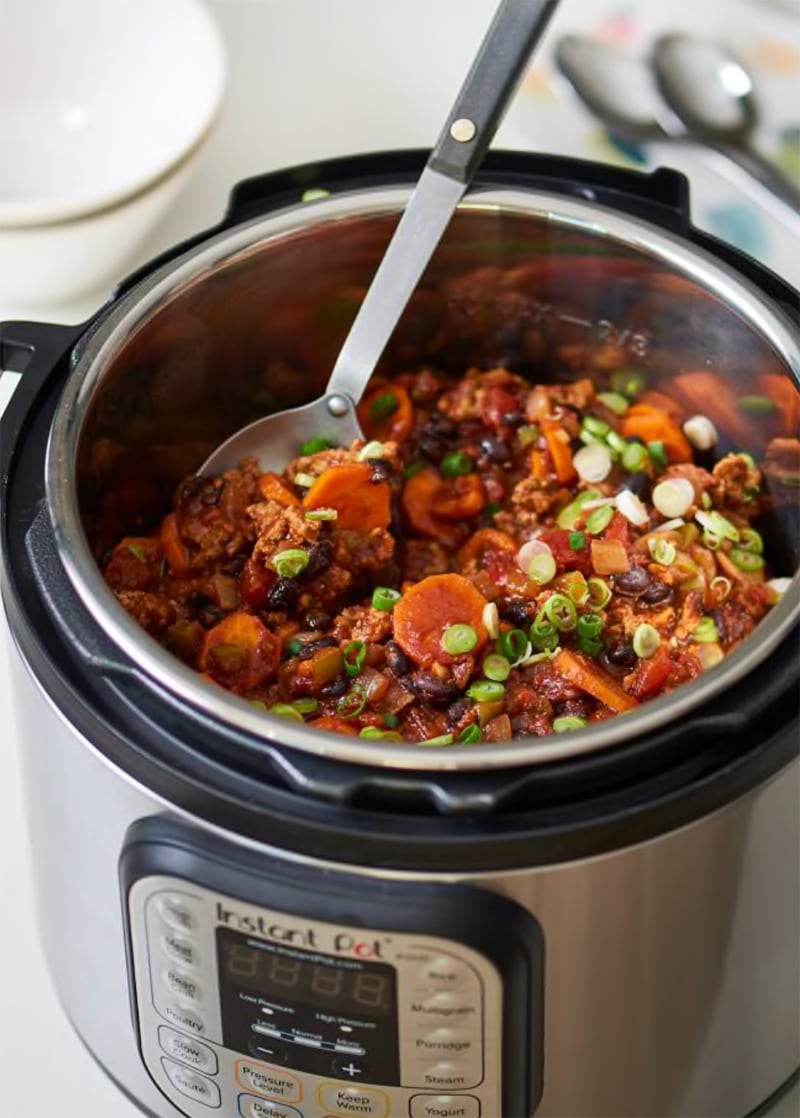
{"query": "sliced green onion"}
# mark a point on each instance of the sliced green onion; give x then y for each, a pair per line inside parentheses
(628, 382)
(390, 721)
(593, 463)
(353, 655)
(616, 442)
(658, 453)
(577, 541)
(383, 407)
(293, 647)
(720, 587)
(412, 469)
(561, 611)
(712, 541)
(305, 481)
(589, 439)
(496, 667)
(305, 706)
(748, 459)
(589, 625)
(322, 514)
(443, 739)
(353, 702)
(674, 496)
(285, 710)
(527, 435)
(591, 646)
(540, 657)
(574, 584)
(746, 560)
(457, 464)
(314, 446)
(459, 639)
(491, 620)
(663, 551)
(544, 635)
(614, 401)
(646, 640)
(599, 593)
(595, 426)
(706, 632)
(485, 690)
(137, 552)
(716, 523)
(756, 405)
(290, 563)
(471, 735)
(374, 734)
(701, 432)
(258, 704)
(751, 540)
(512, 645)
(634, 458)
(599, 520)
(705, 500)
(314, 194)
(542, 568)
(384, 598)
(371, 450)
(569, 723)
(571, 513)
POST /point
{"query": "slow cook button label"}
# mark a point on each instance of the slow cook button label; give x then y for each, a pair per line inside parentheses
(272, 1082)
(364, 1101)
(251, 1107)
(445, 1106)
(191, 1084)
(187, 1050)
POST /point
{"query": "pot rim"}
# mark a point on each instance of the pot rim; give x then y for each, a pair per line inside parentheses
(152, 661)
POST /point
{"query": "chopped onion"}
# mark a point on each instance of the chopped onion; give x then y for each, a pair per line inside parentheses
(671, 525)
(709, 655)
(491, 620)
(593, 462)
(372, 450)
(778, 587)
(587, 505)
(629, 505)
(673, 497)
(701, 432)
(529, 551)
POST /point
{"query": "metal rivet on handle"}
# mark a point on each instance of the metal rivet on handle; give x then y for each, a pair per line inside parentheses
(463, 130)
(338, 406)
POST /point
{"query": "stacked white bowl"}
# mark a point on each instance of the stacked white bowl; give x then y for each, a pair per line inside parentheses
(105, 106)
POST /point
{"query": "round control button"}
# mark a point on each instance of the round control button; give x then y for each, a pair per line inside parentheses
(444, 973)
(183, 986)
(188, 1050)
(184, 1018)
(192, 1084)
(443, 1008)
(277, 1085)
(350, 1067)
(178, 912)
(444, 1106)
(338, 1098)
(447, 1075)
(444, 1041)
(180, 949)
(251, 1107)
(265, 1049)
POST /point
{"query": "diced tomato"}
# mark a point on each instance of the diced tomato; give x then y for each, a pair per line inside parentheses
(567, 559)
(650, 675)
(256, 581)
(497, 404)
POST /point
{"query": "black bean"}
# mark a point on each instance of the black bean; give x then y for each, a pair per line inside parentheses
(319, 559)
(429, 687)
(336, 689)
(621, 654)
(657, 594)
(442, 423)
(308, 648)
(396, 659)
(457, 710)
(381, 470)
(494, 449)
(211, 616)
(316, 619)
(632, 583)
(233, 566)
(283, 594)
(431, 445)
(515, 610)
(639, 484)
(513, 419)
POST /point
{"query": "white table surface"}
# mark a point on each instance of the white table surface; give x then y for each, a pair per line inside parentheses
(308, 79)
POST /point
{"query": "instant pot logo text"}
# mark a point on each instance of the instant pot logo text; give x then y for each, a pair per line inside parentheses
(339, 943)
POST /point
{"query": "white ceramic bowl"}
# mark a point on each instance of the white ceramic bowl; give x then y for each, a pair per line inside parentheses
(104, 105)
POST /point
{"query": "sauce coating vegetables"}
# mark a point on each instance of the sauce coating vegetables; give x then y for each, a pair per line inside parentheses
(497, 558)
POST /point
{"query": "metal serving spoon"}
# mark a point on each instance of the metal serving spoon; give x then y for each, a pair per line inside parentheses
(480, 106)
(694, 92)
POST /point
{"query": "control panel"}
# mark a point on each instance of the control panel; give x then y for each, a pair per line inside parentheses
(248, 1009)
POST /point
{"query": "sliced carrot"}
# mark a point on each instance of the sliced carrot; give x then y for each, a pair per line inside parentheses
(664, 403)
(240, 653)
(430, 502)
(779, 388)
(174, 548)
(589, 677)
(361, 505)
(334, 725)
(558, 443)
(431, 606)
(651, 425)
(707, 393)
(380, 400)
(274, 488)
(538, 464)
(487, 539)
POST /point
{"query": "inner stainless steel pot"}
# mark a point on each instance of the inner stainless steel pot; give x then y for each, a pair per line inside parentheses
(251, 321)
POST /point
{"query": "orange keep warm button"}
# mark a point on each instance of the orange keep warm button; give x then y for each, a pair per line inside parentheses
(265, 1080)
(364, 1101)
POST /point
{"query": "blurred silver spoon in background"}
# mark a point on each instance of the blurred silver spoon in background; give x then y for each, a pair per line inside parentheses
(694, 92)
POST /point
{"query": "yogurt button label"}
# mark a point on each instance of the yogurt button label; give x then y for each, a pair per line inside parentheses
(445, 1106)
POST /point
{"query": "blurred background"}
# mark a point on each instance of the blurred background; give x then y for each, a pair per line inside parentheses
(125, 123)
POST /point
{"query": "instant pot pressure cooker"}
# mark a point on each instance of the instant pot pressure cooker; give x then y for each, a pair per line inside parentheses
(246, 917)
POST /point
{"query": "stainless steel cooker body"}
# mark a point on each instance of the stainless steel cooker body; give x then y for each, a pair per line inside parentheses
(653, 865)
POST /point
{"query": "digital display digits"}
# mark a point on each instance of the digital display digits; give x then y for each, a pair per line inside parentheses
(366, 988)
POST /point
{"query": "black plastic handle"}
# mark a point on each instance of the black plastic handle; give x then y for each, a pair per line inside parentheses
(507, 47)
